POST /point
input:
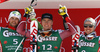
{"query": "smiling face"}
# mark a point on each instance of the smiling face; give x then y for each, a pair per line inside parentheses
(13, 21)
(88, 27)
(47, 23)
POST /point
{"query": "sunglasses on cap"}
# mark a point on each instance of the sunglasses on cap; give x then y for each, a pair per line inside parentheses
(86, 25)
(45, 33)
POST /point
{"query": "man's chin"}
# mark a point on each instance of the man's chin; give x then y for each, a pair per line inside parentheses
(13, 25)
(47, 29)
(87, 33)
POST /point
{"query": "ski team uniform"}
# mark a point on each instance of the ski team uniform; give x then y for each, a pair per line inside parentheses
(88, 45)
(10, 40)
(51, 43)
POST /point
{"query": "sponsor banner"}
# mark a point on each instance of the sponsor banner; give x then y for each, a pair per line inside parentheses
(77, 15)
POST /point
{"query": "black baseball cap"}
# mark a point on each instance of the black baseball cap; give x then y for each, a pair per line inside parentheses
(47, 15)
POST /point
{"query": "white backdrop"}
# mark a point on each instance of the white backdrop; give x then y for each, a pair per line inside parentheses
(50, 4)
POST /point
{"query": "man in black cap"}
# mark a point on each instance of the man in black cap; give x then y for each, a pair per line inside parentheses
(47, 21)
(49, 40)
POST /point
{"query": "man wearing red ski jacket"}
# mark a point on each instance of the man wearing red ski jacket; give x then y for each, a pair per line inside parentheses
(47, 38)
